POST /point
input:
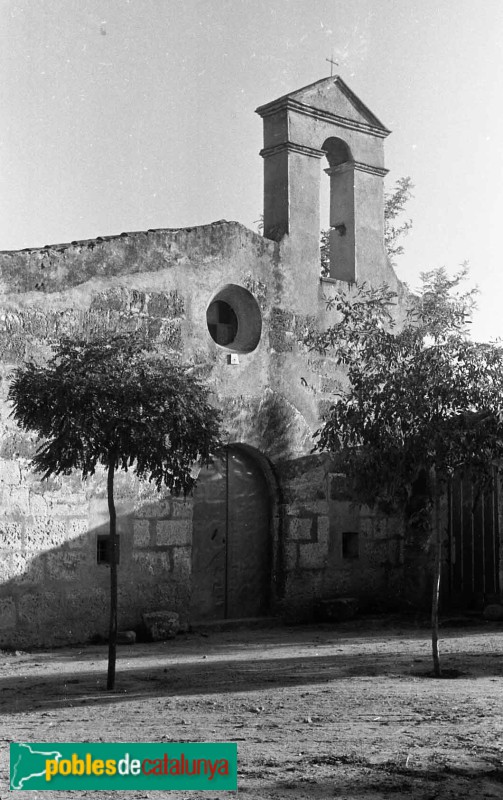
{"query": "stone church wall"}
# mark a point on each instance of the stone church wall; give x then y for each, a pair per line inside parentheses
(271, 390)
(161, 282)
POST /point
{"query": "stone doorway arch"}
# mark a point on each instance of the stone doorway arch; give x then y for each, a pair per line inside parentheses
(231, 541)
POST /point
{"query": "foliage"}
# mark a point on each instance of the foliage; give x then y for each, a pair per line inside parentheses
(113, 399)
(325, 252)
(441, 307)
(115, 402)
(419, 397)
(394, 205)
(423, 402)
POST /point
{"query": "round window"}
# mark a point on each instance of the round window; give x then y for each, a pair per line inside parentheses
(222, 322)
(234, 319)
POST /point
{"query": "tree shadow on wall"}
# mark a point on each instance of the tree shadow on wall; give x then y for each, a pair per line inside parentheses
(60, 594)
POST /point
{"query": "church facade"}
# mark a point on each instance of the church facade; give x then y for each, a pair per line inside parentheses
(269, 529)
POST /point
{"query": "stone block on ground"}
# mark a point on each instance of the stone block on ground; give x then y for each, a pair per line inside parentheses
(337, 609)
(161, 625)
(494, 611)
(126, 637)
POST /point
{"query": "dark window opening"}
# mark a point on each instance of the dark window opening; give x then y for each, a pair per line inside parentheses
(103, 549)
(350, 546)
(222, 322)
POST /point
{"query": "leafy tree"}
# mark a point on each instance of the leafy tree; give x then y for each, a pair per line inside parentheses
(325, 252)
(115, 402)
(422, 400)
(394, 205)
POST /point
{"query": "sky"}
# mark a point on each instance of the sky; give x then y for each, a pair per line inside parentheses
(124, 115)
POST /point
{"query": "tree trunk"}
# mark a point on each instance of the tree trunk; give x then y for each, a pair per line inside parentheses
(112, 634)
(436, 584)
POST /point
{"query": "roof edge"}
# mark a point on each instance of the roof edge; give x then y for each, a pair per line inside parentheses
(284, 100)
(103, 239)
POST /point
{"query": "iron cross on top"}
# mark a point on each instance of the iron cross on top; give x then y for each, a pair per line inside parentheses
(332, 64)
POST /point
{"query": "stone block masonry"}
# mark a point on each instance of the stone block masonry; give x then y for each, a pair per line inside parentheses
(159, 282)
(52, 588)
(270, 389)
(333, 547)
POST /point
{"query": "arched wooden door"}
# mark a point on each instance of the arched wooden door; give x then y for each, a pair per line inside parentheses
(231, 553)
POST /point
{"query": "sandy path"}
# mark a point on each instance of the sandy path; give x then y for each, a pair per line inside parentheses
(318, 712)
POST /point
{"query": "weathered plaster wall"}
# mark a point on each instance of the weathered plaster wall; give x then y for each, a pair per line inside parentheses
(162, 282)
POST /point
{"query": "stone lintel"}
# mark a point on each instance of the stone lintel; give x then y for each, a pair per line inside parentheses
(360, 167)
(357, 166)
(340, 168)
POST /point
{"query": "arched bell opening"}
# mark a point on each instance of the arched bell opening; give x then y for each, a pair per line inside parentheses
(337, 151)
(338, 198)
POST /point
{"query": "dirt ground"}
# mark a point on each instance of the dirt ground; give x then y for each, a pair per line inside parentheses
(341, 711)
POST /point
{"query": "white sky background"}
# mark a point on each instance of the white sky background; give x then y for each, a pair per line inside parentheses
(121, 115)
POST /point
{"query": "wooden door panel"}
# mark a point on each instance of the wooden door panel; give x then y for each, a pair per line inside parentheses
(209, 544)
(248, 559)
(231, 563)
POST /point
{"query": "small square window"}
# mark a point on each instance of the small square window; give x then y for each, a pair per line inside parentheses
(103, 549)
(350, 546)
